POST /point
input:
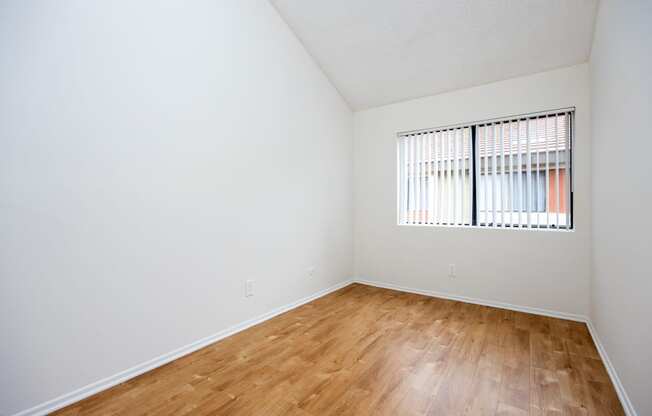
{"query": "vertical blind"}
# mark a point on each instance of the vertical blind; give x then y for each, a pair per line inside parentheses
(511, 172)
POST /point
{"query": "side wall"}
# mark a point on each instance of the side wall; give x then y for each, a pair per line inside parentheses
(539, 269)
(621, 89)
(153, 156)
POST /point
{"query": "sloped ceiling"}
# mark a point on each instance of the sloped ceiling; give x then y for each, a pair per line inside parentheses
(378, 52)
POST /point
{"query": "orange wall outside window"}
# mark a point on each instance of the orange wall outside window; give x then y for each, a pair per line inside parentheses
(552, 196)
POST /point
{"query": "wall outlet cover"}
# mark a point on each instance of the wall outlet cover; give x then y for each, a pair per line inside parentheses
(451, 270)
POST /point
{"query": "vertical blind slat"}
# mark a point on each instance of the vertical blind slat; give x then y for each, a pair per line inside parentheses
(415, 181)
(419, 194)
(478, 173)
(456, 177)
(493, 175)
(567, 164)
(413, 185)
(528, 167)
(536, 172)
(456, 167)
(451, 153)
(429, 177)
(436, 174)
(511, 170)
(499, 176)
(417, 218)
(426, 178)
(405, 181)
(419, 178)
(486, 177)
(445, 179)
(406, 194)
(518, 172)
(441, 177)
(547, 202)
(557, 169)
(460, 177)
(471, 175)
(503, 191)
(462, 173)
(422, 180)
(417, 188)
(498, 207)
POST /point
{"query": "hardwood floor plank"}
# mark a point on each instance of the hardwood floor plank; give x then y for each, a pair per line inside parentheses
(369, 351)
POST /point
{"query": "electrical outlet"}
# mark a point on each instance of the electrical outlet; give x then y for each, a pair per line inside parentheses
(451, 270)
(249, 288)
(311, 272)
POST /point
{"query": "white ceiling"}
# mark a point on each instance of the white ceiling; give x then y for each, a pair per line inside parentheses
(382, 51)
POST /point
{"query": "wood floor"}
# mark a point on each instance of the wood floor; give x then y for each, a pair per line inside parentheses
(370, 351)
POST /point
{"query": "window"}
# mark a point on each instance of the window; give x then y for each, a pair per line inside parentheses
(513, 172)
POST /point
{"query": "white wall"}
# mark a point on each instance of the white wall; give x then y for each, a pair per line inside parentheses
(541, 269)
(621, 102)
(153, 156)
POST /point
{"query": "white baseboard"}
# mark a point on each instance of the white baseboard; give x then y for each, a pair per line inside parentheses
(620, 390)
(106, 383)
(465, 299)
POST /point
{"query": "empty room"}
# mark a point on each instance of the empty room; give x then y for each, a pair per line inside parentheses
(325, 207)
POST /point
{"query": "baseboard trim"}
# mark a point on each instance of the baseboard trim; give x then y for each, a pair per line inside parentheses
(106, 383)
(620, 389)
(615, 380)
(483, 302)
